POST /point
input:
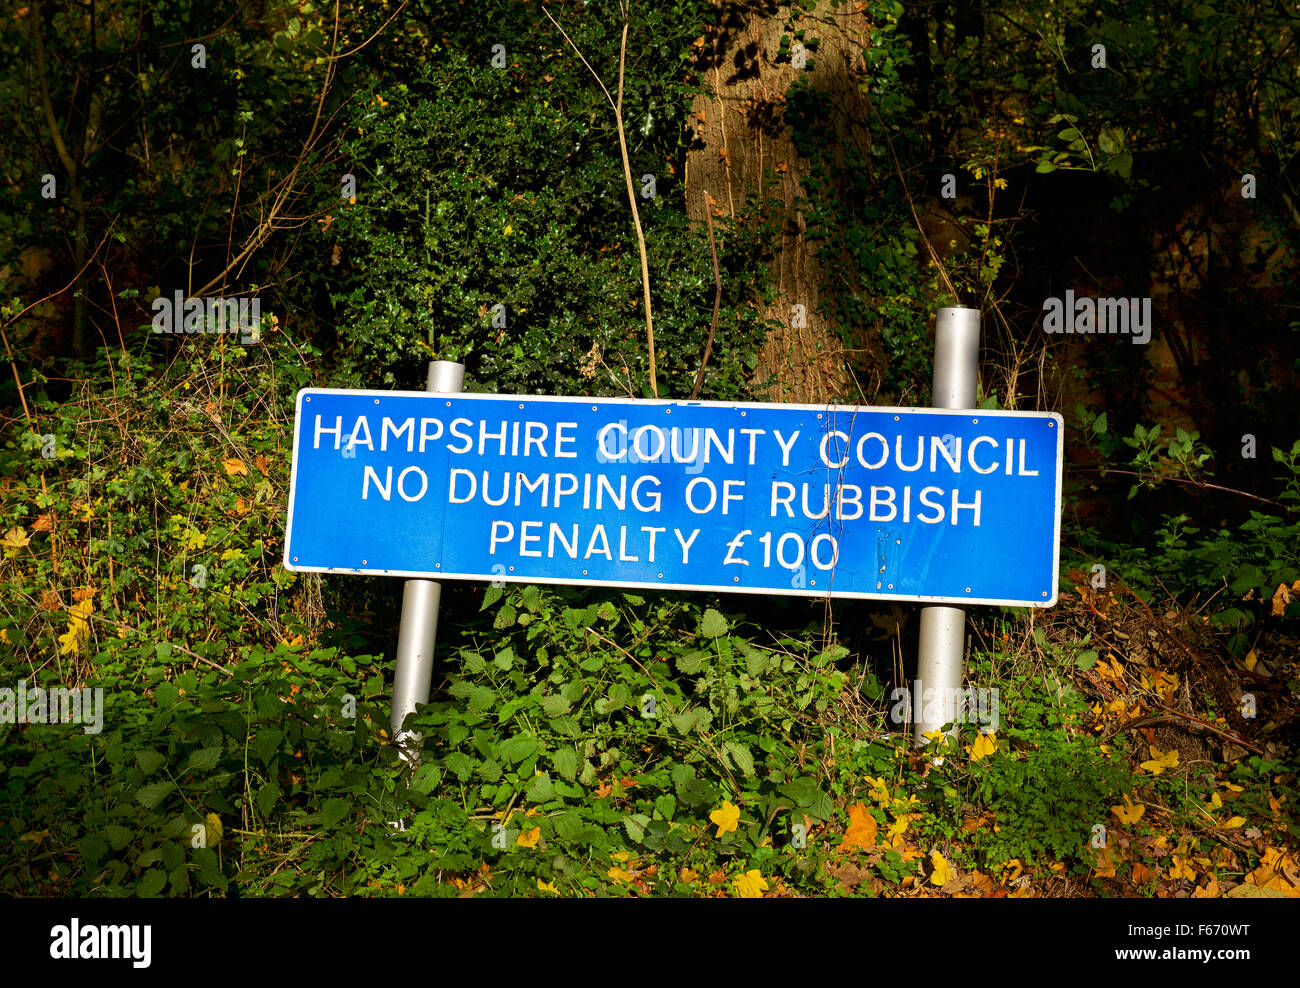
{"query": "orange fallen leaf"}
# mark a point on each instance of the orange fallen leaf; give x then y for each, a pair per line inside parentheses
(862, 828)
(235, 467)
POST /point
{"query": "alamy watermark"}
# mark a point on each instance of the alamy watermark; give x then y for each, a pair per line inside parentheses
(102, 942)
(1099, 316)
(939, 705)
(58, 705)
(690, 447)
(179, 314)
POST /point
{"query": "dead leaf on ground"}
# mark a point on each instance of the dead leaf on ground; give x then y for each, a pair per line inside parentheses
(862, 828)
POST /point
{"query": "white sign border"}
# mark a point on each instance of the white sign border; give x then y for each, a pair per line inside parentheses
(696, 587)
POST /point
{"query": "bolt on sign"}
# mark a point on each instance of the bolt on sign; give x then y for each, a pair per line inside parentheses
(917, 504)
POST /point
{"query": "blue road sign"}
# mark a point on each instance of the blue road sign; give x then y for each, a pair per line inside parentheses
(910, 504)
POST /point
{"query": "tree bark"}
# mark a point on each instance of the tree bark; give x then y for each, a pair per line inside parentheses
(741, 134)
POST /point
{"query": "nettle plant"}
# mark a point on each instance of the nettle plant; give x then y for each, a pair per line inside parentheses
(607, 731)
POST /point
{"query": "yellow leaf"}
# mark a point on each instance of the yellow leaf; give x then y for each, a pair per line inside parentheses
(984, 746)
(69, 641)
(4, 636)
(940, 875)
(1182, 869)
(726, 818)
(78, 630)
(529, 838)
(1246, 891)
(1210, 891)
(1234, 822)
(15, 538)
(235, 467)
(1161, 761)
(509, 229)
(547, 887)
(879, 791)
(1128, 814)
(688, 875)
(862, 828)
(1105, 863)
(897, 828)
(750, 885)
(214, 828)
(619, 875)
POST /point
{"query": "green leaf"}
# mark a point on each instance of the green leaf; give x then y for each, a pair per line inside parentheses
(151, 883)
(266, 797)
(556, 705)
(755, 660)
(93, 848)
(803, 791)
(426, 778)
(1099, 424)
(505, 617)
(153, 794)
(541, 789)
(460, 763)
(713, 624)
(741, 756)
(666, 806)
(333, 811)
(519, 747)
(566, 763)
(635, 826)
(691, 662)
(1086, 659)
(203, 759)
(149, 760)
(267, 743)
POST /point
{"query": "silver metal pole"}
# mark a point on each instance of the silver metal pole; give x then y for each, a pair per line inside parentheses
(419, 630)
(943, 629)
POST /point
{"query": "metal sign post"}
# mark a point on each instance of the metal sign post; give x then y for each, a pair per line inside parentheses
(943, 628)
(420, 598)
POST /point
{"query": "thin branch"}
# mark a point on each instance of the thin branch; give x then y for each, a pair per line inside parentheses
(717, 298)
(130, 627)
(1179, 480)
(617, 104)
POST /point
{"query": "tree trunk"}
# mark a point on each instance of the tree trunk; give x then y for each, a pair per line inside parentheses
(741, 124)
